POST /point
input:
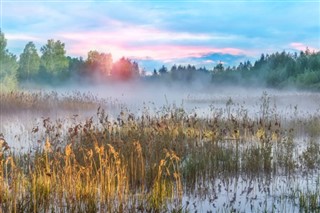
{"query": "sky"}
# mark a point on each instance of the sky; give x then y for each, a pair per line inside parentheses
(155, 32)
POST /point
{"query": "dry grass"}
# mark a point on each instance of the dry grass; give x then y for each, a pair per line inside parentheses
(16, 102)
(57, 181)
(147, 163)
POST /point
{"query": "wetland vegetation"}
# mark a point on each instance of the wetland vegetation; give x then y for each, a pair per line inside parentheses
(160, 158)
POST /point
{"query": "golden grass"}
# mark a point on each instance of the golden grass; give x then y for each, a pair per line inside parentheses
(57, 181)
(148, 162)
(15, 102)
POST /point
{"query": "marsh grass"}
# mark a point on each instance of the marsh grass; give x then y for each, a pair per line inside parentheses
(22, 102)
(149, 162)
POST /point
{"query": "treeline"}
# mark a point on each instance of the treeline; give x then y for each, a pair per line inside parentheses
(277, 70)
(54, 67)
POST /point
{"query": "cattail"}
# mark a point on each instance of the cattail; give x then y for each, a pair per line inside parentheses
(68, 150)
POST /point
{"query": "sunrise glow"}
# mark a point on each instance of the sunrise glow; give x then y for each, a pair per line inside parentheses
(164, 32)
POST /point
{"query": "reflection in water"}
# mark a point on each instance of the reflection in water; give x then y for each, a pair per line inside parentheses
(279, 191)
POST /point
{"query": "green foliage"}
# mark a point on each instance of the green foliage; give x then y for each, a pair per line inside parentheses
(8, 83)
(218, 68)
(187, 73)
(275, 77)
(53, 59)
(309, 77)
(29, 62)
(99, 63)
(8, 67)
(3, 44)
(163, 70)
(76, 66)
(276, 70)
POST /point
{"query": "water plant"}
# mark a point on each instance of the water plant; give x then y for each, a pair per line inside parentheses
(153, 161)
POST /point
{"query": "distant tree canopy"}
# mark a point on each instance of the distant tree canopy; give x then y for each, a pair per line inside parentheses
(187, 73)
(8, 67)
(124, 69)
(53, 60)
(277, 70)
(219, 67)
(29, 62)
(77, 67)
(163, 70)
(99, 63)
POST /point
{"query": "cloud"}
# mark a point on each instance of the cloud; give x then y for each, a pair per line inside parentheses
(137, 34)
(209, 60)
(21, 37)
(140, 42)
(303, 47)
(158, 52)
(164, 30)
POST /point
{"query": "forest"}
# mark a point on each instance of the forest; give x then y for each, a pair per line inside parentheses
(55, 68)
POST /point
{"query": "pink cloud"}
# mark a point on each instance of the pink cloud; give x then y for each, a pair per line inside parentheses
(302, 47)
(159, 52)
(148, 42)
(119, 43)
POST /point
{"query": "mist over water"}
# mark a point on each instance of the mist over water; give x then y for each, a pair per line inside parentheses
(139, 97)
(135, 97)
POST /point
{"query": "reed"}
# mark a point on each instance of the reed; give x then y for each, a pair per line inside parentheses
(150, 162)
